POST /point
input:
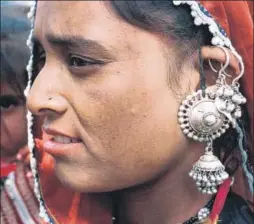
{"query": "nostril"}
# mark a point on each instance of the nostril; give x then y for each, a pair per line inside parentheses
(46, 111)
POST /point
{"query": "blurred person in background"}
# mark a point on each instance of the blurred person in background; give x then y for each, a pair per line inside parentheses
(18, 204)
(14, 56)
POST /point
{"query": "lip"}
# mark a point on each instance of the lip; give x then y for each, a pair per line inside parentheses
(54, 132)
(57, 148)
(60, 149)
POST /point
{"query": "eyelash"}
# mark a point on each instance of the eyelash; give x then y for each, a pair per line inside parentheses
(41, 60)
(74, 61)
(77, 61)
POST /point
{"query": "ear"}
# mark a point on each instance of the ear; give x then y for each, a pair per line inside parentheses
(217, 57)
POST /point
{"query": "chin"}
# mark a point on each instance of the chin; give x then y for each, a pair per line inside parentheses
(80, 181)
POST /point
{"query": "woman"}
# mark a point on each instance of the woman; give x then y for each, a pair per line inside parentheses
(119, 71)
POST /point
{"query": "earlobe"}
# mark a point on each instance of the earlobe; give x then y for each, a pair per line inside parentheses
(217, 54)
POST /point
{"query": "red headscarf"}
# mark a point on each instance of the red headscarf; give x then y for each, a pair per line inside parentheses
(236, 17)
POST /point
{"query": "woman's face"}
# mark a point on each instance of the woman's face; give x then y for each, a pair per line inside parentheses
(104, 82)
(13, 122)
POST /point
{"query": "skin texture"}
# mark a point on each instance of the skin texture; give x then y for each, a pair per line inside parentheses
(13, 124)
(121, 108)
(126, 114)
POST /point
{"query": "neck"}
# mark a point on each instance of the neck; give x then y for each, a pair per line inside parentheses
(172, 198)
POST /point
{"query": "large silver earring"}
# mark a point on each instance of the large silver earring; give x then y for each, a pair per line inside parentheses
(205, 116)
(200, 120)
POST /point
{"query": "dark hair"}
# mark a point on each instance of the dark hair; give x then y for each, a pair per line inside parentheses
(14, 52)
(163, 18)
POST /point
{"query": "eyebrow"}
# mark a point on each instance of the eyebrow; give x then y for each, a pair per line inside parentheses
(78, 42)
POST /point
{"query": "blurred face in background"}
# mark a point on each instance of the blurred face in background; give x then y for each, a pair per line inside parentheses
(13, 121)
(14, 57)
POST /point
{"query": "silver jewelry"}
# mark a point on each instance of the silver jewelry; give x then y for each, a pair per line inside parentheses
(211, 66)
(205, 116)
(222, 72)
(202, 214)
(228, 97)
(200, 118)
(228, 101)
(214, 70)
(208, 172)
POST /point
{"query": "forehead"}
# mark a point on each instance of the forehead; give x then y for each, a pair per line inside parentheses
(93, 20)
(72, 14)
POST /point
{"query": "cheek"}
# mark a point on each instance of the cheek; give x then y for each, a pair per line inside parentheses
(13, 129)
(140, 132)
(133, 125)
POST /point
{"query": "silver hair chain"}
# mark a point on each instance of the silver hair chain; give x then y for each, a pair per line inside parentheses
(33, 162)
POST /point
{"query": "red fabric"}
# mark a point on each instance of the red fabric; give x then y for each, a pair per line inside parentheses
(7, 168)
(220, 200)
(236, 17)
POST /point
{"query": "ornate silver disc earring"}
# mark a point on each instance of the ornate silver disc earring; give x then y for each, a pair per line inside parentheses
(205, 116)
(200, 120)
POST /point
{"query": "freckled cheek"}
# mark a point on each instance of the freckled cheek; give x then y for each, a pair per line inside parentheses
(137, 136)
(117, 120)
(124, 115)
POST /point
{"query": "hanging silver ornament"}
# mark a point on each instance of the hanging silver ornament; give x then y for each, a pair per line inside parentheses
(200, 118)
(203, 214)
(227, 100)
(208, 172)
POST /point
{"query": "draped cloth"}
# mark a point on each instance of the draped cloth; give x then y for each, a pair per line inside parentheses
(236, 17)
(18, 202)
(71, 207)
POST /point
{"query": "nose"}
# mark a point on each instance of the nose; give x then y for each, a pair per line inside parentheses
(45, 96)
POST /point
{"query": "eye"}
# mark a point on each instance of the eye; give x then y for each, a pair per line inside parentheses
(40, 57)
(41, 60)
(8, 103)
(77, 61)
